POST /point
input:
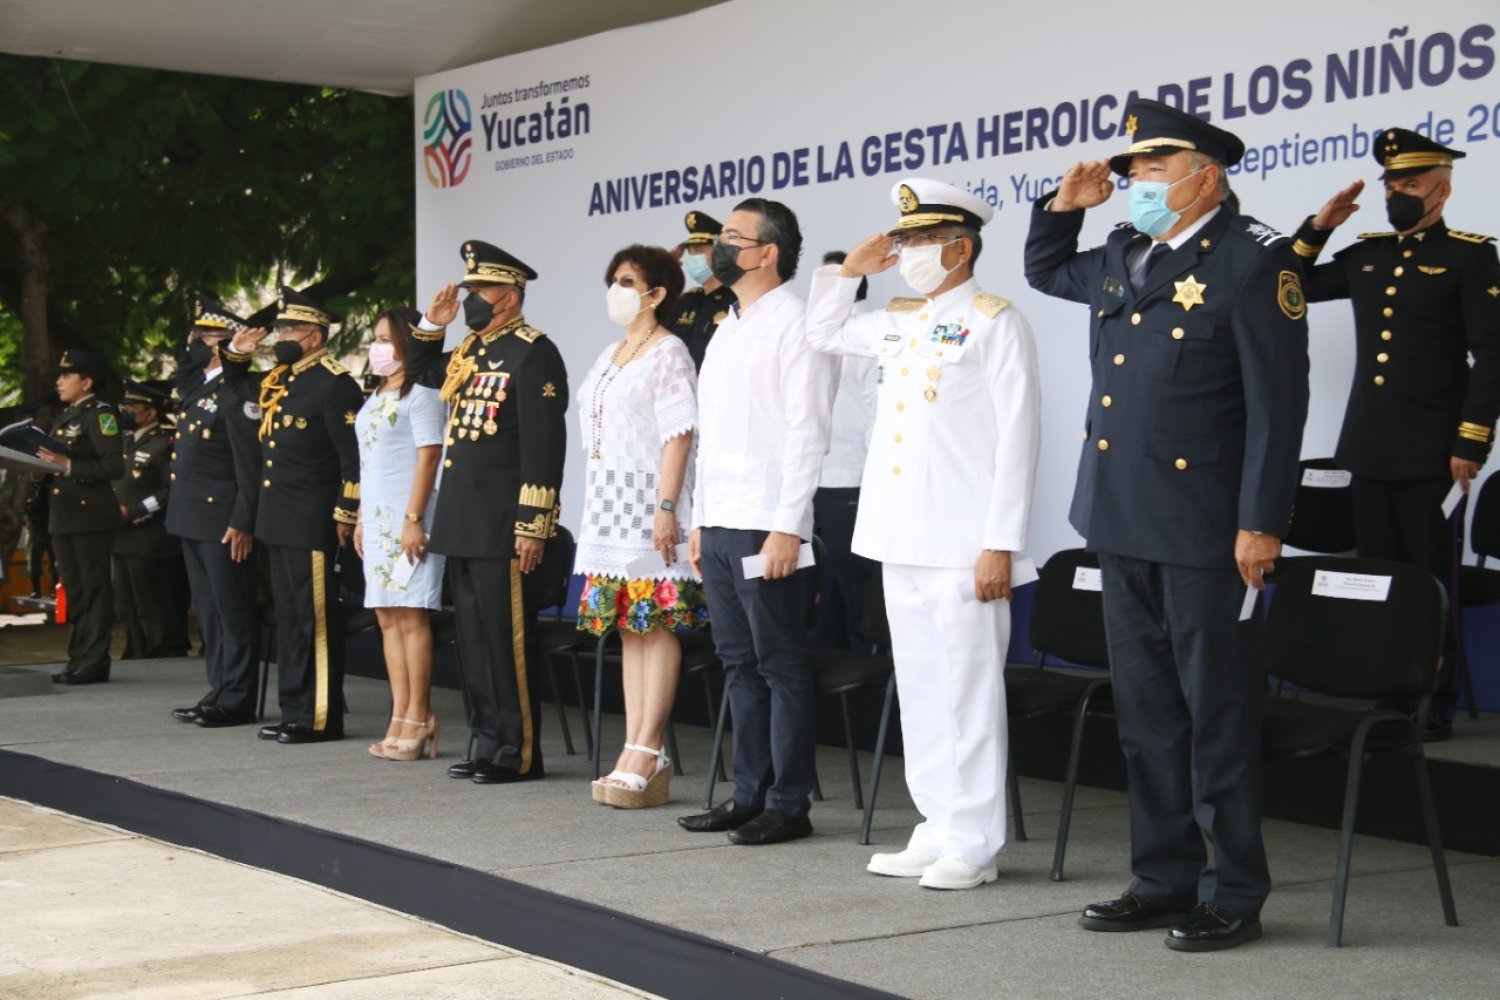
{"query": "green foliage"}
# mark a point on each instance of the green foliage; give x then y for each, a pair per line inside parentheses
(153, 185)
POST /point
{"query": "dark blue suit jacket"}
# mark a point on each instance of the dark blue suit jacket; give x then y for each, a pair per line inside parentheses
(1195, 416)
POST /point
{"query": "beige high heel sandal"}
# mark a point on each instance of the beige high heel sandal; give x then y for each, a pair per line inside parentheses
(381, 746)
(404, 749)
(636, 792)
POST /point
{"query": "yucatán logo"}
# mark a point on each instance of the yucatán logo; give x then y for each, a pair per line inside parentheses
(447, 138)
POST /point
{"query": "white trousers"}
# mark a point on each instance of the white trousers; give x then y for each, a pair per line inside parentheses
(950, 662)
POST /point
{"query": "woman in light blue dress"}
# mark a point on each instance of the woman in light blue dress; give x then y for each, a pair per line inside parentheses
(400, 431)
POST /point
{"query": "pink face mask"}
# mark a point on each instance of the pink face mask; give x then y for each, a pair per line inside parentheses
(383, 360)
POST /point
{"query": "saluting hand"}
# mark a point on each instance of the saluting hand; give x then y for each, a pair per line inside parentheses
(870, 257)
(1339, 207)
(444, 307)
(1085, 185)
(246, 341)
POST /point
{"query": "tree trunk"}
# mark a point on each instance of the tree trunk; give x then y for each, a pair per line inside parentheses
(37, 356)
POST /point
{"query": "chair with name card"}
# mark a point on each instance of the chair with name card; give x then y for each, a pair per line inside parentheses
(1356, 635)
(1067, 623)
(1479, 585)
(1322, 510)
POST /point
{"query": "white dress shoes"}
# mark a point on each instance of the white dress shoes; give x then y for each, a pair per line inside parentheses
(904, 864)
(952, 873)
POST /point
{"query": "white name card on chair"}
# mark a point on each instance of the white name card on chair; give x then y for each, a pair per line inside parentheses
(1327, 479)
(1087, 578)
(1351, 586)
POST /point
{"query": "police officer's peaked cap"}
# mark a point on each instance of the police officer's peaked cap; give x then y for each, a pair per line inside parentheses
(1403, 153)
(209, 314)
(701, 227)
(293, 307)
(927, 204)
(487, 264)
(1157, 129)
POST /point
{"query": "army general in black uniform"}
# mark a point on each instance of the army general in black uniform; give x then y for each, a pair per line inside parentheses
(1198, 345)
(145, 557)
(1426, 299)
(707, 300)
(507, 393)
(308, 504)
(84, 515)
(215, 490)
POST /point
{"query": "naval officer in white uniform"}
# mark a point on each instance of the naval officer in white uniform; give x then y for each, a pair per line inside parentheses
(944, 504)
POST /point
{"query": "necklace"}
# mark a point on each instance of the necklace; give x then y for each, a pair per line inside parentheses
(596, 415)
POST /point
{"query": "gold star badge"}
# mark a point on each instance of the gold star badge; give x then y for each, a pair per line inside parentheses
(349, 417)
(1494, 292)
(1131, 124)
(1205, 243)
(1189, 293)
(549, 391)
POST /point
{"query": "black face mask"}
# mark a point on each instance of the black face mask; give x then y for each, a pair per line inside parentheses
(725, 262)
(198, 354)
(127, 420)
(288, 352)
(1404, 210)
(477, 312)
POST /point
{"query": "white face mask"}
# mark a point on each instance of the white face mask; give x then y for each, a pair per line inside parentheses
(922, 267)
(624, 304)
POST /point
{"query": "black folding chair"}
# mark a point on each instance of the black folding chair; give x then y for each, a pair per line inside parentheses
(1322, 510)
(1478, 586)
(1359, 655)
(1067, 623)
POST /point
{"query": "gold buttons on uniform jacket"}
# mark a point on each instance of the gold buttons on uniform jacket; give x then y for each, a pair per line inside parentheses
(1387, 312)
(1135, 319)
(1382, 357)
(1399, 270)
(1119, 359)
(1178, 333)
(1406, 253)
(1103, 445)
(174, 475)
(1380, 380)
(208, 499)
(898, 438)
(895, 470)
(1390, 290)
(1385, 335)
(905, 371)
(1106, 401)
(267, 483)
(1101, 312)
(1181, 463)
(913, 342)
(271, 443)
(174, 456)
(900, 407)
(447, 463)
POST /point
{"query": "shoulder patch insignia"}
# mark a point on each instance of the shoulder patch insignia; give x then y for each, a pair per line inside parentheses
(1375, 236)
(528, 334)
(904, 304)
(1261, 233)
(108, 426)
(1289, 295)
(990, 305)
(1469, 237)
(252, 410)
(333, 366)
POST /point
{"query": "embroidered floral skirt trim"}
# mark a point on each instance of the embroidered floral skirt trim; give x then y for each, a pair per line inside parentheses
(641, 606)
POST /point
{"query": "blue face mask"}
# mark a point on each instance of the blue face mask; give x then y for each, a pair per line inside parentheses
(698, 266)
(1149, 213)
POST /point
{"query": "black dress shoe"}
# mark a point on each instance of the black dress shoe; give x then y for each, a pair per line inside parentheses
(771, 827)
(487, 773)
(464, 769)
(187, 714)
(218, 717)
(1132, 913)
(295, 733)
(724, 816)
(73, 680)
(271, 732)
(61, 677)
(1212, 928)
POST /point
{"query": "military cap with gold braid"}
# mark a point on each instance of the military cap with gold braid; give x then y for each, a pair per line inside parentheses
(1403, 153)
(1157, 129)
(927, 204)
(293, 307)
(487, 264)
(209, 314)
(702, 228)
(140, 392)
(78, 361)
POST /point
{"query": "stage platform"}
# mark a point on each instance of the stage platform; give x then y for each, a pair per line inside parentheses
(628, 895)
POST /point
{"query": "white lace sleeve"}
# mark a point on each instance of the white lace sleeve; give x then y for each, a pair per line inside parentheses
(675, 391)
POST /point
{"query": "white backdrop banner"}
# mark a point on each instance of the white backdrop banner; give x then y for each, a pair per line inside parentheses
(564, 155)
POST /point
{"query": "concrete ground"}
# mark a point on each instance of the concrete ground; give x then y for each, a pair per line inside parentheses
(96, 912)
(809, 903)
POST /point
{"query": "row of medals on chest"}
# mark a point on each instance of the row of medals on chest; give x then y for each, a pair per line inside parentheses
(479, 406)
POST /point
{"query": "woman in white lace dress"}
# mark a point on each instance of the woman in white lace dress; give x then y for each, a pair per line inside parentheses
(400, 432)
(638, 409)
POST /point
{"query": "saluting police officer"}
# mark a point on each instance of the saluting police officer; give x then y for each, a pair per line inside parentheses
(84, 515)
(701, 308)
(507, 393)
(1426, 298)
(1198, 344)
(215, 489)
(143, 553)
(957, 429)
(308, 504)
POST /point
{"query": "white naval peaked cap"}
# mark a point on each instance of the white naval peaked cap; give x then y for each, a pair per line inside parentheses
(926, 203)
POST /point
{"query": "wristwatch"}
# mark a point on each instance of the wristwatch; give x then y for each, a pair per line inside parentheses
(414, 518)
(667, 506)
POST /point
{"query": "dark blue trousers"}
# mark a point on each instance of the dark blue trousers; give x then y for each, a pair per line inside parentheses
(758, 628)
(228, 621)
(844, 576)
(1188, 681)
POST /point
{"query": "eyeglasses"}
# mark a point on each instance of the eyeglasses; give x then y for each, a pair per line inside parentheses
(921, 240)
(738, 239)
